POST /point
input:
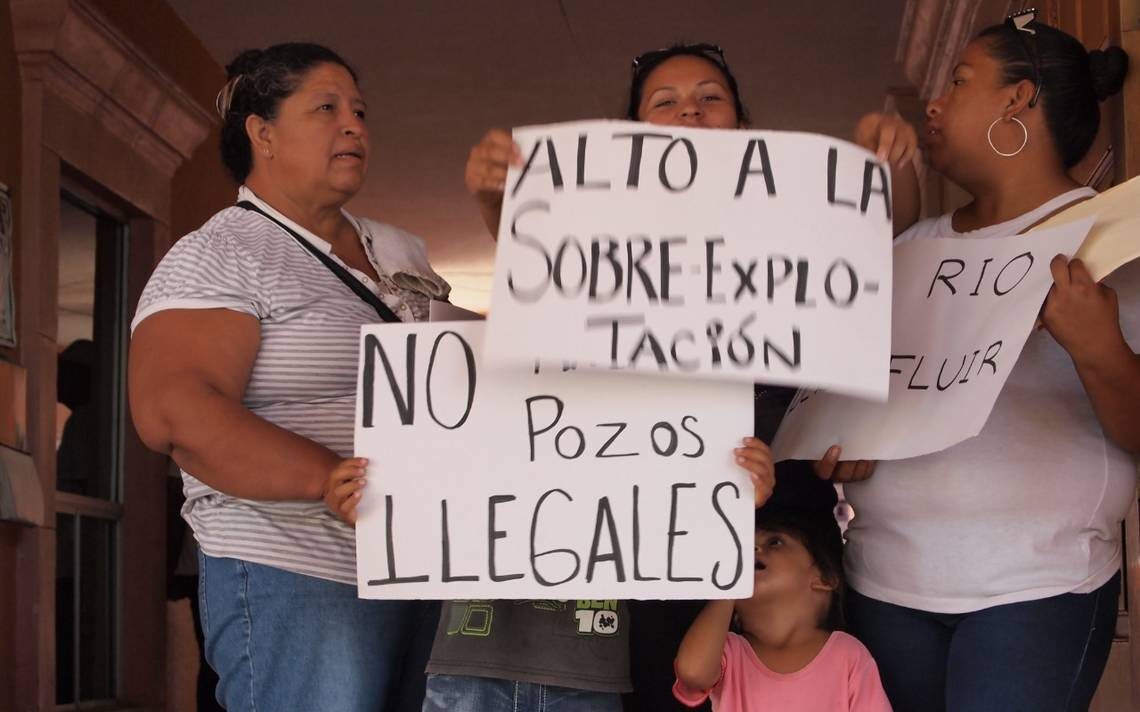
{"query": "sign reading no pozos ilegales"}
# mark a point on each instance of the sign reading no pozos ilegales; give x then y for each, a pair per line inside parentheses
(486, 483)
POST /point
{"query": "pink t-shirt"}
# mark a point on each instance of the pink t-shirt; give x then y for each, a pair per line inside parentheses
(843, 676)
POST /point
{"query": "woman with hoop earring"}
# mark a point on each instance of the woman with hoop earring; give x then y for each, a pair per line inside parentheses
(986, 576)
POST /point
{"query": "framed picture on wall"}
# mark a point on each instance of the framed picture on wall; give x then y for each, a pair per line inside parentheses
(7, 289)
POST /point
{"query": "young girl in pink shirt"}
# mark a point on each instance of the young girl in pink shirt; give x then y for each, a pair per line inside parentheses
(790, 654)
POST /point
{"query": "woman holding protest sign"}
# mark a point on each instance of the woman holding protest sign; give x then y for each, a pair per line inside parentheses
(243, 370)
(985, 576)
(692, 86)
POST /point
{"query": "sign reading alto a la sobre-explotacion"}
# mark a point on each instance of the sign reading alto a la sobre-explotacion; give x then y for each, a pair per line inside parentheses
(486, 483)
(746, 255)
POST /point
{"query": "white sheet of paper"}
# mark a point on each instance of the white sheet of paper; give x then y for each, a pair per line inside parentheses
(1114, 239)
(597, 466)
(744, 255)
(951, 352)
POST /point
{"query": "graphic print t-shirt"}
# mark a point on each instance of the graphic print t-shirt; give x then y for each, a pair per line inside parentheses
(579, 644)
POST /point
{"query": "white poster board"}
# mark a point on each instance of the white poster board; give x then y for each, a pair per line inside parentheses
(1114, 239)
(745, 255)
(962, 312)
(516, 484)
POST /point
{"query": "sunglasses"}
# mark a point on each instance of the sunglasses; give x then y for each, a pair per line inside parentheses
(655, 57)
(1027, 37)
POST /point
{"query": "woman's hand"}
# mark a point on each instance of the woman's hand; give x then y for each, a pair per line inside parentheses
(344, 487)
(486, 173)
(755, 457)
(894, 141)
(888, 136)
(830, 467)
(1084, 318)
(1082, 315)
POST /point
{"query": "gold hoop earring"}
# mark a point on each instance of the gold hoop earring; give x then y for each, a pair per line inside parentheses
(1024, 140)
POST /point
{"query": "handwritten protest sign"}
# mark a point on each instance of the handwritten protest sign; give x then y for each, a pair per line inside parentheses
(962, 312)
(517, 484)
(747, 255)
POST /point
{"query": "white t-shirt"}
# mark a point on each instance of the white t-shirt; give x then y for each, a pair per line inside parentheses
(1030, 508)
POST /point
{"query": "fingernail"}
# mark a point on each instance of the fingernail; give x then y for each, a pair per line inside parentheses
(833, 451)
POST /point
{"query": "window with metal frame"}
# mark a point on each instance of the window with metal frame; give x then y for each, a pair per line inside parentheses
(91, 338)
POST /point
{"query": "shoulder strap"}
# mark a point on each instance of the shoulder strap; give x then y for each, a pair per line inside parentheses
(1059, 210)
(351, 282)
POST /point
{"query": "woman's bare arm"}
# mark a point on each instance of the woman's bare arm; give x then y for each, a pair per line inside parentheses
(187, 375)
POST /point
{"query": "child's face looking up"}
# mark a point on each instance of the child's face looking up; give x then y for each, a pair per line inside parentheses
(782, 566)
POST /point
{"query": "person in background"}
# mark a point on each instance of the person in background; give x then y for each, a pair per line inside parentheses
(182, 582)
(692, 86)
(77, 456)
(243, 369)
(986, 576)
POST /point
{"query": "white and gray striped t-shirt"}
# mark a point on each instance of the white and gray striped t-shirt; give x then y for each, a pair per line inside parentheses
(304, 377)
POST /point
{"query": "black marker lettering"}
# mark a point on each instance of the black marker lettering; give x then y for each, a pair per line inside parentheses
(604, 512)
(757, 146)
(674, 532)
(389, 540)
(494, 535)
(735, 538)
(535, 556)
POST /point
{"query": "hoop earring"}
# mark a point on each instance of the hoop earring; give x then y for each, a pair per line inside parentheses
(990, 139)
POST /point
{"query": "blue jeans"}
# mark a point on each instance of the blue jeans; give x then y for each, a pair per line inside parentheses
(282, 641)
(1036, 656)
(460, 693)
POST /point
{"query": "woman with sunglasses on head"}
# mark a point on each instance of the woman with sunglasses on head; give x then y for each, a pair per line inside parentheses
(691, 86)
(985, 576)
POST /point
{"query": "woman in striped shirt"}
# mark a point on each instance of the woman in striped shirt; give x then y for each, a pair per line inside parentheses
(243, 370)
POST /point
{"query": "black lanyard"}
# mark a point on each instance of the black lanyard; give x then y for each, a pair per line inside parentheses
(351, 282)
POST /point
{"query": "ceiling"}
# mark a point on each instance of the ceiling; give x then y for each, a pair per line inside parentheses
(437, 74)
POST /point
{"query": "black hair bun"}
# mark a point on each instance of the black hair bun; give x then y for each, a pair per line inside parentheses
(1108, 68)
(244, 63)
